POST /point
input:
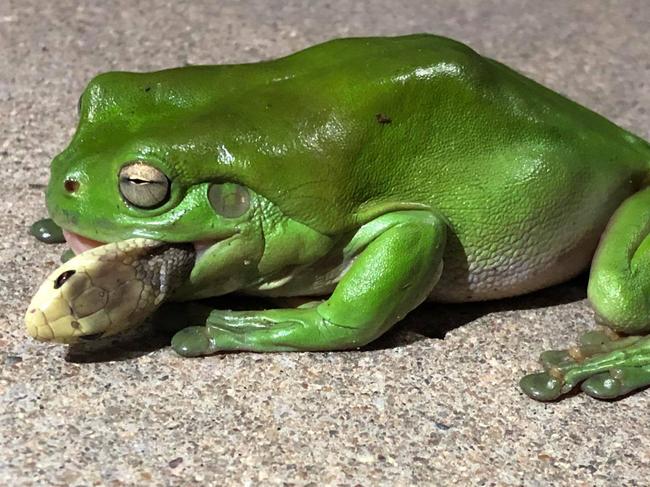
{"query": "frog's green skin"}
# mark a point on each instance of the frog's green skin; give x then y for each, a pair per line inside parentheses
(384, 171)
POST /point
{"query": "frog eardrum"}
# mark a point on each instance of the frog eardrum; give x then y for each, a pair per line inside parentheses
(229, 200)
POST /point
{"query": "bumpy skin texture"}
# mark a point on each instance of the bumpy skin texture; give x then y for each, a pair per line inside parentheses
(353, 151)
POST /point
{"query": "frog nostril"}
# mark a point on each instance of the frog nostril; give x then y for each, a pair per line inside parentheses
(71, 185)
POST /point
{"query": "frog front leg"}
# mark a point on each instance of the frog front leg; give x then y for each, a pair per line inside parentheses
(398, 262)
(607, 364)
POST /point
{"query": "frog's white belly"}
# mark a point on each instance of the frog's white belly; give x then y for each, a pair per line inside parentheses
(529, 236)
(516, 270)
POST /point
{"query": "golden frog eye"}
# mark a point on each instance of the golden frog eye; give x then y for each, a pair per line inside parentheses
(229, 199)
(143, 185)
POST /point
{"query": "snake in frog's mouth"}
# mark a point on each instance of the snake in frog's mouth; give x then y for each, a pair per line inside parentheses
(107, 288)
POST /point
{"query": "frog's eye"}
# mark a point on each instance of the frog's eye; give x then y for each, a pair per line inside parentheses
(229, 199)
(143, 185)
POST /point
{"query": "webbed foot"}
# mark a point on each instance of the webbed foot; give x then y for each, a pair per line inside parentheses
(607, 366)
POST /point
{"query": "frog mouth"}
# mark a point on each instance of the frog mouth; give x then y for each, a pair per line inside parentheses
(79, 243)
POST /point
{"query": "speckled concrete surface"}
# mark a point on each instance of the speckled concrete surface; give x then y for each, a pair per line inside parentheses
(413, 410)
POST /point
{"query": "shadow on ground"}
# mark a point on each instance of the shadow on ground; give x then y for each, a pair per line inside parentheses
(430, 320)
(435, 320)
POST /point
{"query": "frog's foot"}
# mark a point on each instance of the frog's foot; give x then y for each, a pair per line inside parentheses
(259, 331)
(619, 286)
(607, 365)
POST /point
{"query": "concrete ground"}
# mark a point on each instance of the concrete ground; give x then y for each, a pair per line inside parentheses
(415, 409)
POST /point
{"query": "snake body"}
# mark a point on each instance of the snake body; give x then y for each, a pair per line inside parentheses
(107, 289)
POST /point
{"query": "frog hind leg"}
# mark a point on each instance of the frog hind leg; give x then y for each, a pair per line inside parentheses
(398, 258)
(616, 361)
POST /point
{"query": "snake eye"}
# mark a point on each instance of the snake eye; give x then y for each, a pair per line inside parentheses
(60, 281)
(143, 186)
(229, 199)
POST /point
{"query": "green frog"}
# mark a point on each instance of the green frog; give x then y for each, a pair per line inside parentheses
(368, 173)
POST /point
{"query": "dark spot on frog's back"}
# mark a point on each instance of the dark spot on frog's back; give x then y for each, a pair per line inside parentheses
(63, 277)
(147, 89)
(383, 119)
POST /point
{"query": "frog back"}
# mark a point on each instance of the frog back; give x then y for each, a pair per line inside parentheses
(346, 130)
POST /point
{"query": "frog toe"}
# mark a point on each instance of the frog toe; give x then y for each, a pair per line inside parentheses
(591, 343)
(556, 359)
(541, 386)
(603, 386)
(617, 382)
(192, 342)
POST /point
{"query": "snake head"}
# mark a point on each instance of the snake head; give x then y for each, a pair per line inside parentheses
(107, 289)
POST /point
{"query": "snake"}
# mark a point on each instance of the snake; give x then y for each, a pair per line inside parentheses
(107, 289)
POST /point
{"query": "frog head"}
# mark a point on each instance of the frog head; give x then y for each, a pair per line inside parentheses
(153, 158)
